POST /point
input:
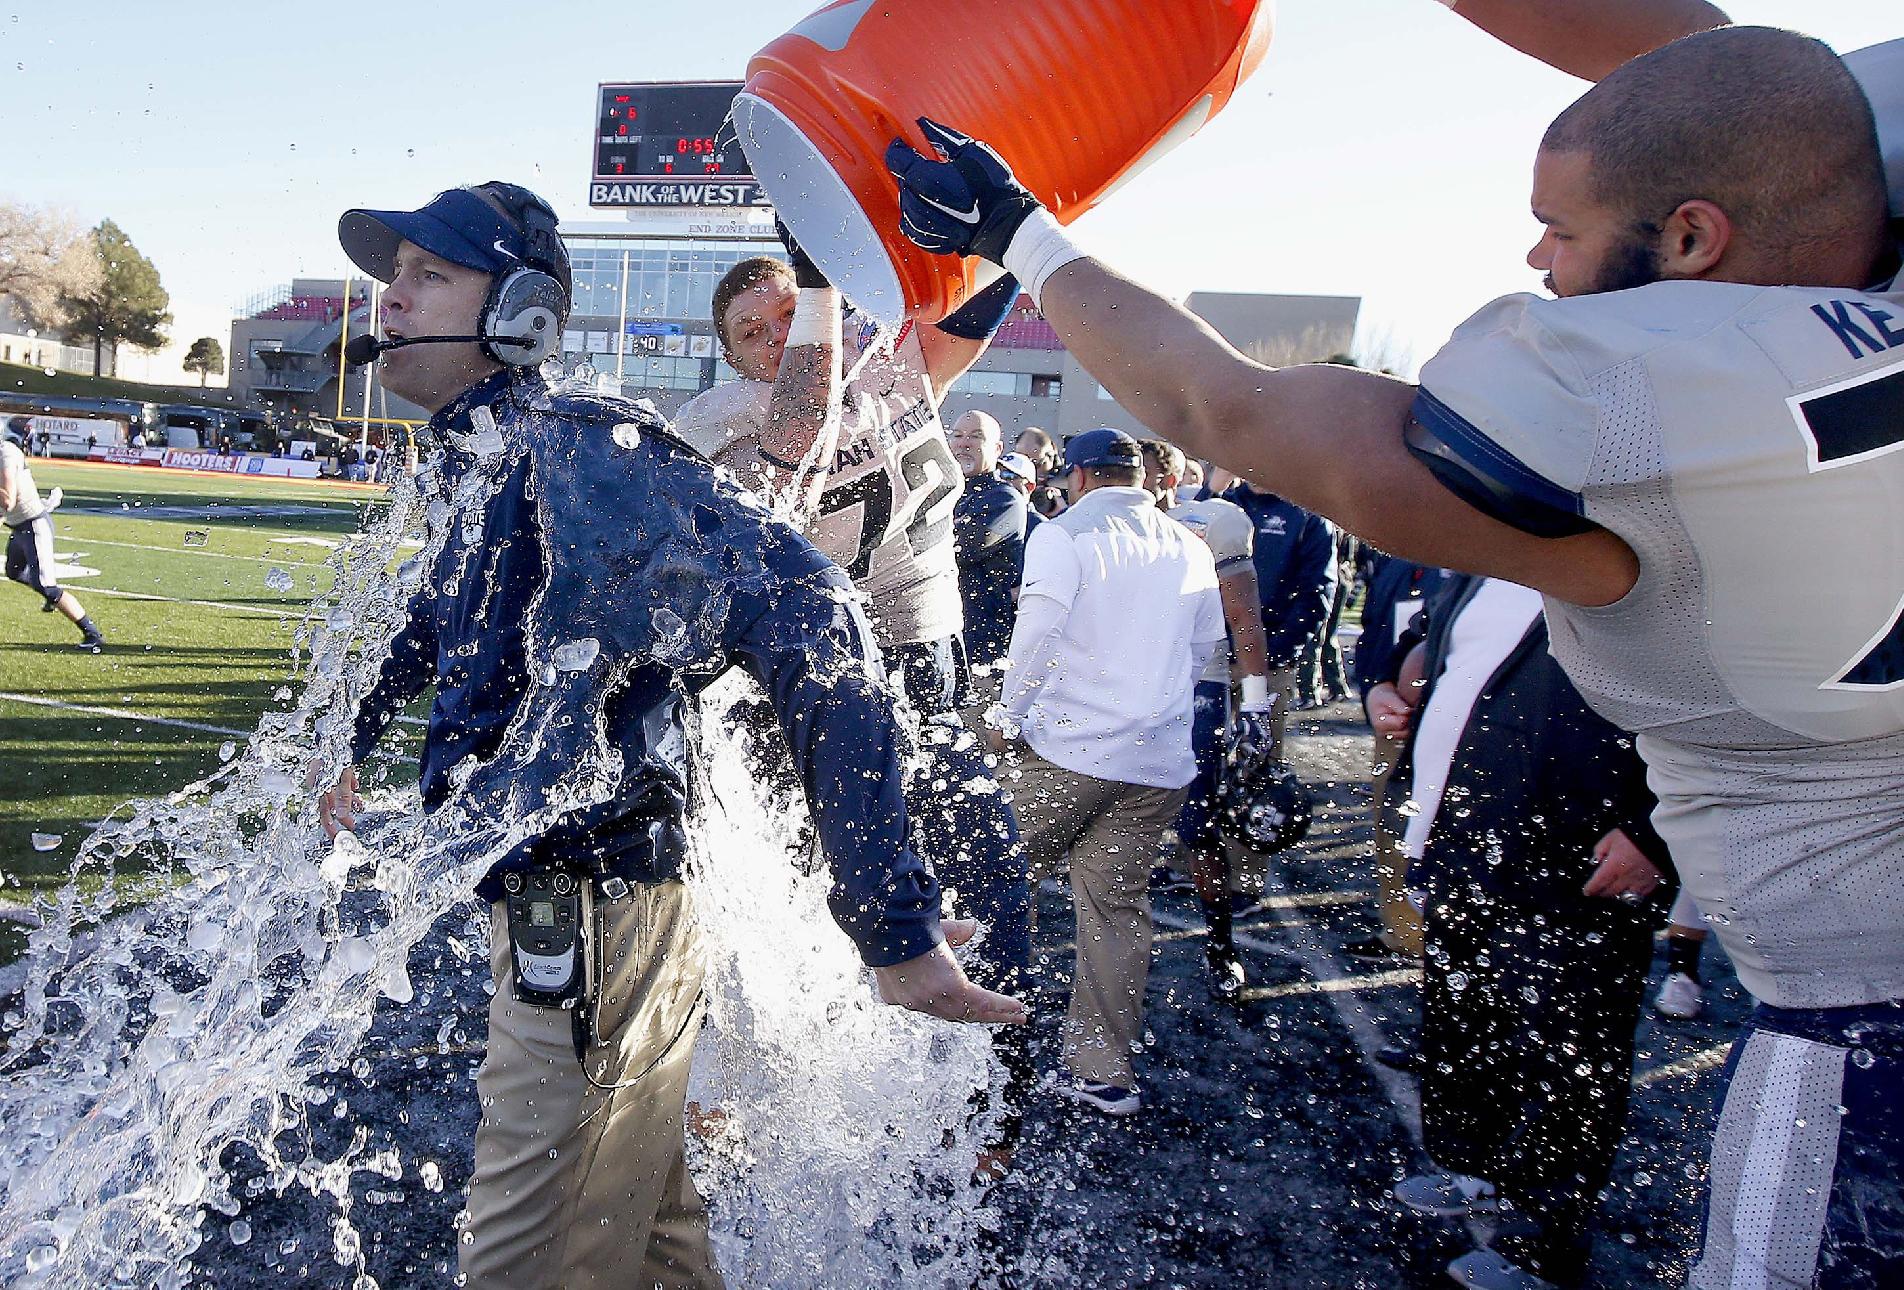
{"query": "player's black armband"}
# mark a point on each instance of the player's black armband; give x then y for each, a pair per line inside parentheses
(984, 313)
(1488, 478)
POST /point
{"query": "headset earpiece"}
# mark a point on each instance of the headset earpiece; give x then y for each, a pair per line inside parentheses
(525, 304)
(528, 303)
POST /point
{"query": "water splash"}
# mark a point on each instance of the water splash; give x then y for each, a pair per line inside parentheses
(151, 1042)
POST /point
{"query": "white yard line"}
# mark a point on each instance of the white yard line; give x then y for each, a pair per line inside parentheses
(77, 540)
(1706, 1059)
(1350, 984)
(127, 714)
(289, 611)
(124, 714)
(1326, 979)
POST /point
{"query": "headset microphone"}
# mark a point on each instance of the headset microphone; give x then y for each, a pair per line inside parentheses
(366, 348)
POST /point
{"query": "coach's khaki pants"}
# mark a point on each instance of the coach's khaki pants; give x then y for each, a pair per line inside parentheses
(1401, 921)
(1109, 833)
(578, 1187)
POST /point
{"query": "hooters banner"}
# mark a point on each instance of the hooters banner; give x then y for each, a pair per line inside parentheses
(194, 459)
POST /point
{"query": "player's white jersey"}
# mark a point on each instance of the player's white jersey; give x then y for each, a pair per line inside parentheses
(1226, 529)
(1748, 444)
(26, 496)
(1880, 70)
(885, 512)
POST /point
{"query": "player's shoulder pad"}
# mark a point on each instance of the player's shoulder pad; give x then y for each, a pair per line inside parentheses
(1508, 416)
(1225, 528)
(1505, 418)
(716, 417)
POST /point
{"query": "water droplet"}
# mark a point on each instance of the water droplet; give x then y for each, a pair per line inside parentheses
(1862, 1058)
(42, 1258)
(227, 750)
(47, 841)
(240, 1232)
(431, 1176)
(1457, 981)
(578, 655)
(278, 580)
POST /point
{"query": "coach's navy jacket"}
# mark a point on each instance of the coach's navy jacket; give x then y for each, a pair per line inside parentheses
(988, 536)
(1295, 571)
(598, 526)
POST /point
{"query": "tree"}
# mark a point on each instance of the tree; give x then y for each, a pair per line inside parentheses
(127, 306)
(44, 256)
(205, 356)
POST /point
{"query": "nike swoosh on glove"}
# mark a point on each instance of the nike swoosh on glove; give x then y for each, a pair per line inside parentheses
(968, 204)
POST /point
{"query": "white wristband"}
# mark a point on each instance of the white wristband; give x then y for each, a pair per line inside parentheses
(1039, 249)
(1256, 695)
(816, 318)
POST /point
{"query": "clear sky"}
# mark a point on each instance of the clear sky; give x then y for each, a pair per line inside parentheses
(1383, 149)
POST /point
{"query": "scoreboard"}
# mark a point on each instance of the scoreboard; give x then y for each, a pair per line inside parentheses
(670, 144)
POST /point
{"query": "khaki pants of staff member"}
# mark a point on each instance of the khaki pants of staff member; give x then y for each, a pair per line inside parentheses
(1109, 833)
(1401, 921)
(1246, 867)
(577, 1187)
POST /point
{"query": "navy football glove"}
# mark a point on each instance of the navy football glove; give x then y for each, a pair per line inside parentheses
(968, 204)
(805, 272)
(1252, 743)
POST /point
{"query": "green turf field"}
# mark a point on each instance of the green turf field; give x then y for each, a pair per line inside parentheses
(195, 635)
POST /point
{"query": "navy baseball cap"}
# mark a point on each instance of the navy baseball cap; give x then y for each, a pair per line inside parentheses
(461, 227)
(1102, 447)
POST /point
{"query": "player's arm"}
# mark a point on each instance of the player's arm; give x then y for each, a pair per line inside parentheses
(6, 485)
(1243, 611)
(803, 412)
(951, 345)
(1328, 438)
(1589, 38)
(1045, 597)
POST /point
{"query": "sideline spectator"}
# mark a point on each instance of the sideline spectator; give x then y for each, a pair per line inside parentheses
(988, 533)
(1397, 589)
(1323, 677)
(1037, 445)
(1015, 468)
(1190, 488)
(1543, 891)
(1101, 695)
(1225, 529)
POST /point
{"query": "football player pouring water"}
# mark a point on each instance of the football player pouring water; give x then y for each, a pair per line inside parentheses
(1695, 453)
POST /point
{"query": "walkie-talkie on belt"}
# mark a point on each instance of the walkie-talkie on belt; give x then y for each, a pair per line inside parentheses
(549, 914)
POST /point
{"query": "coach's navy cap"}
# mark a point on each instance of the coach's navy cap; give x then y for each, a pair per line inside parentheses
(457, 225)
(1102, 447)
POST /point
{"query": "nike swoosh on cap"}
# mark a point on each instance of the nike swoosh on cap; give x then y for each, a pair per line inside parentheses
(503, 249)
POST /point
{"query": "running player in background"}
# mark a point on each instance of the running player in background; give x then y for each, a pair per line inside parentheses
(1679, 453)
(30, 537)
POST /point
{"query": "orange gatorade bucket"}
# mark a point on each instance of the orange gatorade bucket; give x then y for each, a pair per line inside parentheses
(1078, 95)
